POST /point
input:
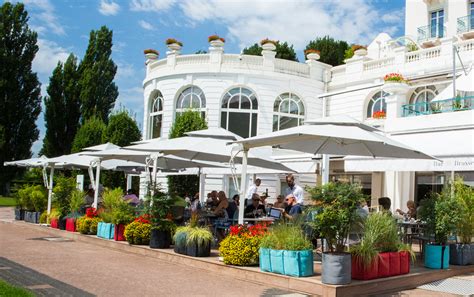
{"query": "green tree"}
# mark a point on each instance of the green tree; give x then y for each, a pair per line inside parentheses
(91, 133)
(331, 51)
(185, 122)
(62, 109)
(20, 100)
(283, 51)
(121, 130)
(97, 70)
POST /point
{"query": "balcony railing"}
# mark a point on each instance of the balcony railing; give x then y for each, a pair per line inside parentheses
(466, 24)
(449, 105)
(426, 33)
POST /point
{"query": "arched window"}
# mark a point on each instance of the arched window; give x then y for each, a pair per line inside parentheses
(377, 103)
(288, 111)
(191, 98)
(239, 112)
(156, 115)
(422, 97)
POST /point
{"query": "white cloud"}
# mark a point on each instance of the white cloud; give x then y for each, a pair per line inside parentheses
(45, 16)
(125, 71)
(47, 57)
(145, 25)
(394, 17)
(151, 5)
(108, 8)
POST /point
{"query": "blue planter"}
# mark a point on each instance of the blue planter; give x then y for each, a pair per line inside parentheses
(105, 230)
(291, 263)
(437, 256)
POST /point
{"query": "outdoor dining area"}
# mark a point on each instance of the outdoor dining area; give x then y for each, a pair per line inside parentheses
(327, 230)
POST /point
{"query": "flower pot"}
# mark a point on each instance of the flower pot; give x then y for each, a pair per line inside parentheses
(151, 56)
(106, 230)
(313, 56)
(437, 256)
(32, 217)
(361, 52)
(461, 254)
(276, 260)
(264, 260)
(174, 47)
(217, 43)
(364, 272)
(160, 239)
(394, 263)
(62, 223)
(298, 263)
(384, 265)
(19, 214)
(394, 87)
(180, 243)
(268, 46)
(194, 250)
(54, 223)
(118, 232)
(404, 262)
(71, 224)
(336, 268)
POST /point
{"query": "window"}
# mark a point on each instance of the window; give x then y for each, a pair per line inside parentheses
(421, 97)
(156, 115)
(377, 103)
(288, 111)
(471, 15)
(239, 112)
(437, 24)
(191, 98)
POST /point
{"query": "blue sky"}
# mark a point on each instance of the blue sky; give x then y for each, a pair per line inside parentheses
(63, 27)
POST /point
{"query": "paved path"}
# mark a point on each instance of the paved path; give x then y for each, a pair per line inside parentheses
(104, 272)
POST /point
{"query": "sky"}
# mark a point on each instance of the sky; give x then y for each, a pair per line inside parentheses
(63, 27)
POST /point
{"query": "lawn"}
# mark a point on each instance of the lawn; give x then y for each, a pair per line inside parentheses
(8, 290)
(7, 201)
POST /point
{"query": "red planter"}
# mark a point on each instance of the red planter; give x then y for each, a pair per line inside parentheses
(385, 265)
(71, 224)
(54, 223)
(118, 232)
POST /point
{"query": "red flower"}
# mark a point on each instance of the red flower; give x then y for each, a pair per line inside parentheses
(144, 219)
(91, 212)
(379, 114)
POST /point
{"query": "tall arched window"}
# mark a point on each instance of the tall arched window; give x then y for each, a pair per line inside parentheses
(156, 115)
(377, 103)
(191, 98)
(288, 111)
(239, 112)
(422, 97)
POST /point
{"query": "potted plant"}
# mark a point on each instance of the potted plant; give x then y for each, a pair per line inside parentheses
(286, 250)
(75, 204)
(394, 83)
(312, 54)
(173, 44)
(138, 231)
(122, 215)
(241, 246)
(268, 45)
(151, 54)
(39, 199)
(63, 190)
(380, 253)
(54, 218)
(379, 114)
(162, 225)
(110, 200)
(359, 50)
(21, 200)
(216, 41)
(88, 223)
(440, 212)
(463, 253)
(338, 202)
(193, 240)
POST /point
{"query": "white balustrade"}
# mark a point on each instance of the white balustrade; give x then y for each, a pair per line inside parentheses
(466, 45)
(290, 67)
(377, 64)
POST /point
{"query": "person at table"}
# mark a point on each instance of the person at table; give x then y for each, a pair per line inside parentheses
(280, 203)
(252, 210)
(214, 200)
(294, 189)
(411, 212)
(252, 190)
(386, 203)
(195, 205)
(131, 198)
(233, 206)
(293, 210)
(221, 209)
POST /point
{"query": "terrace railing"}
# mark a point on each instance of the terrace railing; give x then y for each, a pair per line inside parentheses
(465, 24)
(426, 33)
(441, 106)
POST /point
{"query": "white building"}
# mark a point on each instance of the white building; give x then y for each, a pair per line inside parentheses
(252, 95)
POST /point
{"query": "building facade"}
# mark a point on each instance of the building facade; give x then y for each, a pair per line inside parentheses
(253, 95)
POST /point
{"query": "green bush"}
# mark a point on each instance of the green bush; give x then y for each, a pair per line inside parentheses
(63, 190)
(286, 237)
(465, 198)
(110, 201)
(75, 202)
(89, 134)
(86, 225)
(138, 233)
(43, 217)
(33, 198)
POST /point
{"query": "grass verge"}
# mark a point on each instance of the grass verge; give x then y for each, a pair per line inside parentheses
(11, 291)
(7, 201)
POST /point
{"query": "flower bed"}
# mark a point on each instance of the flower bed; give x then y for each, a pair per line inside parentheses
(241, 246)
(138, 232)
(394, 77)
(379, 114)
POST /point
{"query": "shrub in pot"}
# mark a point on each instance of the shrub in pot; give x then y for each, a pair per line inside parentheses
(63, 190)
(241, 247)
(463, 253)
(440, 212)
(122, 215)
(338, 202)
(286, 250)
(193, 240)
(159, 207)
(110, 200)
(380, 253)
(75, 203)
(138, 232)
(53, 218)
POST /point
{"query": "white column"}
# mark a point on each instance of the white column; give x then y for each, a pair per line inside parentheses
(243, 186)
(129, 181)
(50, 188)
(325, 169)
(202, 187)
(396, 99)
(97, 185)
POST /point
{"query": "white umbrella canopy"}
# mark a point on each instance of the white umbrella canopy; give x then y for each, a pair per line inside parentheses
(32, 162)
(329, 136)
(464, 83)
(101, 147)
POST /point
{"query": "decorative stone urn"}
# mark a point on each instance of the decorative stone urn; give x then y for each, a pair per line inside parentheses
(361, 52)
(151, 56)
(395, 87)
(174, 47)
(217, 43)
(268, 46)
(313, 56)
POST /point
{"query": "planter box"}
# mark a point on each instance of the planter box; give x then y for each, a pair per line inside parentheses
(336, 268)
(71, 224)
(291, 263)
(461, 254)
(54, 223)
(62, 223)
(385, 265)
(160, 239)
(118, 232)
(32, 217)
(19, 214)
(180, 244)
(194, 250)
(105, 230)
(436, 256)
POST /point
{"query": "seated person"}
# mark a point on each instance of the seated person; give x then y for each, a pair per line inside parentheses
(293, 210)
(195, 205)
(221, 209)
(411, 212)
(280, 202)
(263, 199)
(214, 202)
(252, 210)
(131, 198)
(89, 198)
(233, 206)
(385, 203)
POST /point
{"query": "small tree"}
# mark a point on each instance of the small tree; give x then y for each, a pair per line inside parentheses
(185, 122)
(63, 190)
(283, 51)
(91, 133)
(331, 51)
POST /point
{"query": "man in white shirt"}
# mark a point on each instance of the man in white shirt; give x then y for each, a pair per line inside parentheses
(252, 190)
(294, 190)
